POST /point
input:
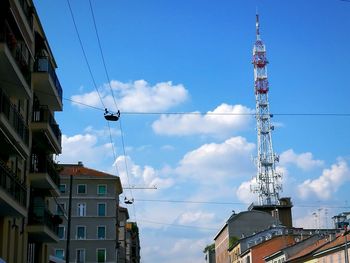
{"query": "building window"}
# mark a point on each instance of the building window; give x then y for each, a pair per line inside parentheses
(101, 232)
(81, 232)
(61, 232)
(101, 209)
(101, 255)
(80, 255)
(81, 209)
(59, 253)
(60, 209)
(102, 189)
(81, 188)
(62, 188)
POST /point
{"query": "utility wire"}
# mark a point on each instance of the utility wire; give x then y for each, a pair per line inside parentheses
(232, 203)
(102, 56)
(325, 114)
(176, 225)
(84, 53)
(115, 103)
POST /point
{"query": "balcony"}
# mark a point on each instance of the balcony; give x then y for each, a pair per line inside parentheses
(46, 84)
(42, 225)
(15, 63)
(13, 125)
(45, 130)
(13, 193)
(27, 12)
(43, 174)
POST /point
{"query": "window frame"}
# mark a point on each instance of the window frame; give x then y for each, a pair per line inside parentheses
(59, 210)
(85, 192)
(105, 232)
(63, 252)
(65, 188)
(64, 232)
(77, 227)
(84, 210)
(105, 255)
(76, 255)
(98, 187)
(105, 213)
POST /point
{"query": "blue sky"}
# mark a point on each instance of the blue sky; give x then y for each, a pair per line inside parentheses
(195, 56)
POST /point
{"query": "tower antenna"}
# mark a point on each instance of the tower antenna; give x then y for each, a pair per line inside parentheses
(267, 178)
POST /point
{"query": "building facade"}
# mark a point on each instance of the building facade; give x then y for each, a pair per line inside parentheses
(94, 216)
(238, 226)
(123, 216)
(30, 94)
(132, 243)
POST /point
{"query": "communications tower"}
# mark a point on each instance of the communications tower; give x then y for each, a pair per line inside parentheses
(267, 178)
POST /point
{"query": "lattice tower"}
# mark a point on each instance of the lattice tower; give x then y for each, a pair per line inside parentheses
(268, 183)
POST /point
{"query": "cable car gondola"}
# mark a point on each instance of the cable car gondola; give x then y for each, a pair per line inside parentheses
(109, 116)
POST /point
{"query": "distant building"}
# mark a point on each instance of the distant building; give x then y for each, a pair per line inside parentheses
(342, 220)
(337, 250)
(122, 234)
(238, 226)
(282, 211)
(95, 198)
(30, 94)
(132, 243)
(299, 252)
(209, 252)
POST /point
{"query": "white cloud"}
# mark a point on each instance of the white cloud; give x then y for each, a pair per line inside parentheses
(314, 219)
(304, 161)
(328, 183)
(244, 193)
(198, 218)
(135, 96)
(144, 176)
(209, 123)
(189, 245)
(85, 148)
(212, 163)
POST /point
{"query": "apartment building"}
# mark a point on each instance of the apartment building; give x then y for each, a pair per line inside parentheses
(237, 226)
(123, 216)
(132, 243)
(30, 94)
(94, 216)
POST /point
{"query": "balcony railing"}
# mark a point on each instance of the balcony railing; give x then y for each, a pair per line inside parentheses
(43, 164)
(14, 117)
(42, 114)
(43, 64)
(28, 11)
(40, 215)
(12, 185)
(18, 49)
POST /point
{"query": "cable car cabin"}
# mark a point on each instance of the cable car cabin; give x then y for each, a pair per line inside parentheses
(109, 116)
(128, 201)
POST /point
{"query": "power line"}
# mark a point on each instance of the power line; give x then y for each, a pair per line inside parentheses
(102, 56)
(233, 203)
(306, 114)
(176, 225)
(84, 53)
(115, 103)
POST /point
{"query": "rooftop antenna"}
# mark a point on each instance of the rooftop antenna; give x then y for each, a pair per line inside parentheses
(267, 178)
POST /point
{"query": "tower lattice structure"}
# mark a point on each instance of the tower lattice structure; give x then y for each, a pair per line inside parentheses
(268, 183)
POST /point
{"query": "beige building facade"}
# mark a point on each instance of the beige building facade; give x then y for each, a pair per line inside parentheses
(30, 94)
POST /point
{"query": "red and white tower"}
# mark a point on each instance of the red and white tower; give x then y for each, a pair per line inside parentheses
(267, 178)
